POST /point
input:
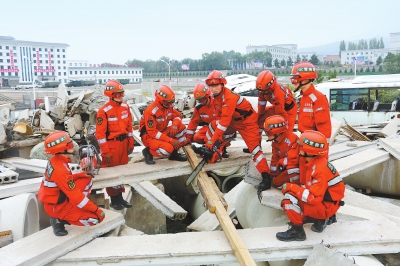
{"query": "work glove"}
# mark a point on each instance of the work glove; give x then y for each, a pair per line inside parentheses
(292, 188)
(108, 159)
(174, 129)
(100, 214)
(174, 142)
(210, 144)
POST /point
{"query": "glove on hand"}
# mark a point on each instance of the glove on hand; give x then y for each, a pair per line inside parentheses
(108, 158)
(174, 129)
(100, 214)
(174, 142)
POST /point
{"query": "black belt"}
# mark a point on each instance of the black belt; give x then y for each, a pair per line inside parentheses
(244, 114)
(289, 106)
(121, 137)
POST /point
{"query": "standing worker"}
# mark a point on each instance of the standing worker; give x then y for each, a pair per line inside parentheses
(237, 113)
(285, 151)
(159, 138)
(319, 194)
(115, 137)
(66, 195)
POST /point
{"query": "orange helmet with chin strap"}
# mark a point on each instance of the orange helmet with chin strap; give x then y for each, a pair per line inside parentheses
(265, 80)
(215, 77)
(201, 91)
(165, 95)
(113, 86)
(275, 125)
(57, 142)
(313, 143)
(303, 71)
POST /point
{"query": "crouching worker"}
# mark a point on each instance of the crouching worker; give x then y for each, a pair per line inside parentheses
(320, 194)
(66, 195)
(285, 152)
(159, 138)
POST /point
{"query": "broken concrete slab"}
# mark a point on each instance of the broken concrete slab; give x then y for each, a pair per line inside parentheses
(159, 200)
(348, 148)
(391, 145)
(352, 238)
(208, 221)
(43, 247)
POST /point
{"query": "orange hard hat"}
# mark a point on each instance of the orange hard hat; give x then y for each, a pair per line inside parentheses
(275, 125)
(113, 86)
(215, 77)
(265, 80)
(57, 142)
(313, 142)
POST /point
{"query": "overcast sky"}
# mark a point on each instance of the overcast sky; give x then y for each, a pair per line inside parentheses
(115, 31)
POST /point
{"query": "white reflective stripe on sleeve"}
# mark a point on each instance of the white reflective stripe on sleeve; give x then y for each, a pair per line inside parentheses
(291, 198)
(318, 109)
(262, 102)
(158, 135)
(177, 118)
(273, 168)
(162, 152)
(108, 108)
(84, 222)
(294, 178)
(101, 141)
(221, 127)
(83, 203)
(154, 110)
(305, 194)
(205, 116)
(240, 100)
(180, 134)
(124, 116)
(182, 139)
(313, 97)
(256, 150)
(335, 181)
(287, 141)
(159, 119)
(259, 158)
(293, 171)
(130, 134)
(89, 185)
(285, 161)
(227, 136)
(113, 119)
(124, 104)
(49, 184)
(307, 110)
(191, 132)
(208, 136)
(211, 128)
(292, 207)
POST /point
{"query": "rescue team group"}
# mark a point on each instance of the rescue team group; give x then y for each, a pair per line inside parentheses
(313, 189)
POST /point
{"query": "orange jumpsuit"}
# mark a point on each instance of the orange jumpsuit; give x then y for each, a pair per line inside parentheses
(237, 113)
(155, 132)
(202, 114)
(66, 195)
(319, 195)
(283, 104)
(114, 135)
(285, 159)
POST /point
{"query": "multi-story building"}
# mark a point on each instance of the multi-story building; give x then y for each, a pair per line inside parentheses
(103, 73)
(278, 51)
(27, 61)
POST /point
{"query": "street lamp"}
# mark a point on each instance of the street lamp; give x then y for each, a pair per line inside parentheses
(33, 83)
(169, 70)
(355, 65)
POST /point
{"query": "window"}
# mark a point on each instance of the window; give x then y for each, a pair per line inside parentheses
(7, 47)
(34, 61)
(59, 67)
(51, 50)
(75, 64)
(40, 55)
(105, 72)
(63, 55)
(1, 60)
(15, 60)
(80, 64)
(0, 47)
(95, 72)
(64, 67)
(58, 50)
(47, 61)
(140, 72)
(8, 60)
(58, 61)
(85, 63)
(15, 54)
(81, 72)
(40, 49)
(85, 72)
(136, 72)
(342, 99)
(90, 72)
(64, 62)
(41, 61)
(70, 64)
(1, 53)
(112, 72)
(58, 56)
(70, 72)
(65, 73)
(63, 50)
(108, 72)
(34, 49)
(59, 73)
(8, 54)
(76, 72)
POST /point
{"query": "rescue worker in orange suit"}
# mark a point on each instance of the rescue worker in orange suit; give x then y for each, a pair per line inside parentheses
(203, 114)
(281, 98)
(321, 191)
(159, 138)
(236, 112)
(314, 111)
(285, 151)
(114, 135)
(66, 195)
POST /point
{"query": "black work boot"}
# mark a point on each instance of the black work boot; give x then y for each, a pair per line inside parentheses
(124, 202)
(148, 158)
(246, 150)
(295, 233)
(175, 156)
(116, 203)
(58, 226)
(319, 225)
(225, 154)
(332, 219)
(265, 183)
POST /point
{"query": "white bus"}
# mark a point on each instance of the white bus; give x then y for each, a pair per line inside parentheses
(364, 100)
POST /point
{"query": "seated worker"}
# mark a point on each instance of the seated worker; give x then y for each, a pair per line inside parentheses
(66, 195)
(318, 196)
(285, 152)
(159, 138)
(115, 137)
(203, 114)
(236, 113)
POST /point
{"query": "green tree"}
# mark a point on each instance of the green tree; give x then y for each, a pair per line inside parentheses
(298, 59)
(345, 70)
(361, 70)
(367, 70)
(276, 63)
(380, 69)
(373, 69)
(342, 47)
(304, 58)
(283, 63)
(392, 63)
(381, 44)
(379, 61)
(289, 62)
(314, 60)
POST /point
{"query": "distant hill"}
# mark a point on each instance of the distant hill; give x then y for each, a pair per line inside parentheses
(333, 48)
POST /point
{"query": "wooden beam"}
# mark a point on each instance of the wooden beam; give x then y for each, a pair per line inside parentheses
(6, 238)
(216, 204)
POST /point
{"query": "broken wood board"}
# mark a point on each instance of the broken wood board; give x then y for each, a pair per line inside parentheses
(6, 237)
(43, 247)
(352, 238)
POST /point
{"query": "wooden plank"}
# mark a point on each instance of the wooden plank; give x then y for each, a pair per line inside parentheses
(6, 238)
(216, 204)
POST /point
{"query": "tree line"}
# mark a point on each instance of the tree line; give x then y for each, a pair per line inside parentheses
(362, 45)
